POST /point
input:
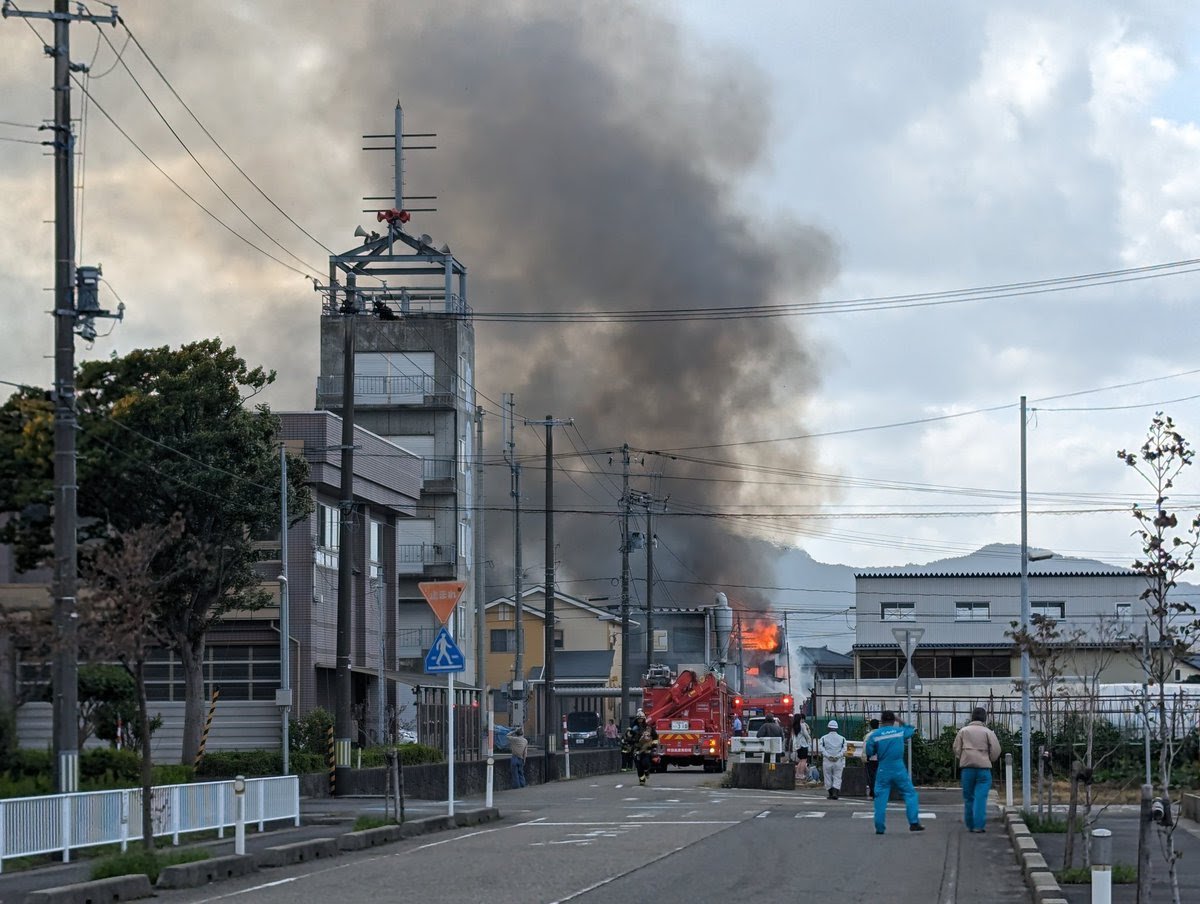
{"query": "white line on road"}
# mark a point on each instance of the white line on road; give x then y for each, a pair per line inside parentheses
(763, 815)
(812, 814)
(657, 822)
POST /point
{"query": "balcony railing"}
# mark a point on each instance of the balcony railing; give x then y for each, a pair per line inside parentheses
(414, 558)
(412, 642)
(438, 469)
(394, 389)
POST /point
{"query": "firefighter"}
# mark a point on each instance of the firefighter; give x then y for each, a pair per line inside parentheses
(629, 743)
(833, 759)
(643, 749)
(887, 743)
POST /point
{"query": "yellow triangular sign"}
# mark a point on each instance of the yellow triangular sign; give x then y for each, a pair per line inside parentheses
(442, 596)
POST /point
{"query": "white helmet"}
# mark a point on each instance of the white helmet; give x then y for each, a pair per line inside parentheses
(833, 725)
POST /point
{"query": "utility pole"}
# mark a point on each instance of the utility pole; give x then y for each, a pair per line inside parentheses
(65, 672)
(343, 686)
(283, 699)
(381, 675)
(518, 682)
(549, 716)
(1026, 790)
(478, 551)
(648, 502)
(625, 585)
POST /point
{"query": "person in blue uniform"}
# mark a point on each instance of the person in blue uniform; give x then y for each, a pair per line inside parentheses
(887, 743)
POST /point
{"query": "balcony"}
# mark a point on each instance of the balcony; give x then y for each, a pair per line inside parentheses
(439, 475)
(414, 643)
(395, 389)
(423, 558)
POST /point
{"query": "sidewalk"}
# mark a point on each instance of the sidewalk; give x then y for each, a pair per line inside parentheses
(1124, 828)
(319, 818)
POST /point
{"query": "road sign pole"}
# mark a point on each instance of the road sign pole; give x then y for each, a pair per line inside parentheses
(908, 712)
(491, 753)
(450, 739)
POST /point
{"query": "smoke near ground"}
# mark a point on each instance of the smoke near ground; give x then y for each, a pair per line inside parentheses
(586, 159)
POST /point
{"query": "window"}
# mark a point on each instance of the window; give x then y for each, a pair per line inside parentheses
(374, 568)
(328, 531)
(972, 611)
(1124, 613)
(898, 611)
(991, 667)
(1048, 610)
(660, 641)
(558, 639)
(504, 613)
(504, 641)
(242, 672)
(880, 667)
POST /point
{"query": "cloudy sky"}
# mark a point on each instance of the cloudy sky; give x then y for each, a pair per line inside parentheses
(613, 156)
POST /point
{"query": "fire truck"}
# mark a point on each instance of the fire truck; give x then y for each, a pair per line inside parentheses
(692, 714)
(753, 711)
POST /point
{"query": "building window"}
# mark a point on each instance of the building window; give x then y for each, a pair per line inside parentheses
(504, 613)
(972, 611)
(898, 611)
(558, 639)
(504, 641)
(374, 557)
(991, 667)
(1124, 616)
(879, 667)
(241, 671)
(1048, 610)
(660, 641)
(328, 533)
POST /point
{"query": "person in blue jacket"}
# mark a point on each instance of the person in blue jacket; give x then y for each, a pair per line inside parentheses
(887, 743)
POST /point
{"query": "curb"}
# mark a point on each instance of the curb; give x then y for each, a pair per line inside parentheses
(1041, 881)
(216, 869)
(118, 888)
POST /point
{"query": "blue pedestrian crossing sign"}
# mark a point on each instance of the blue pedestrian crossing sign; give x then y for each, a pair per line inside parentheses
(444, 656)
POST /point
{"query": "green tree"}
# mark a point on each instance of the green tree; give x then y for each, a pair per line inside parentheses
(162, 431)
(1168, 552)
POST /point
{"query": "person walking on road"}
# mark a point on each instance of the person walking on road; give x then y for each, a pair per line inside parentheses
(647, 740)
(887, 743)
(801, 742)
(518, 746)
(872, 762)
(977, 748)
(833, 759)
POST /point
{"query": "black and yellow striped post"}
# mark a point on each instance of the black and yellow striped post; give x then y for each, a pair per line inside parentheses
(331, 759)
(212, 709)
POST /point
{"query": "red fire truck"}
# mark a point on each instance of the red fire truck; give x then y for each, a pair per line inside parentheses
(693, 715)
(753, 711)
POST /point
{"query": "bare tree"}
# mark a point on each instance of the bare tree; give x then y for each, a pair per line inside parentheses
(1168, 550)
(123, 614)
(1090, 658)
(1047, 646)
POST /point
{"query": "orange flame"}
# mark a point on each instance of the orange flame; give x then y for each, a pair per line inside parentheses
(762, 635)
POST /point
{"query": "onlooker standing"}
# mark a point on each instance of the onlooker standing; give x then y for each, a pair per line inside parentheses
(802, 741)
(737, 725)
(833, 759)
(977, 748)
(887, 743)
(872, 761)
(610, 734)
(518, 745)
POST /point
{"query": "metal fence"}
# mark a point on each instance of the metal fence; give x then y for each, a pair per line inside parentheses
(65, 822)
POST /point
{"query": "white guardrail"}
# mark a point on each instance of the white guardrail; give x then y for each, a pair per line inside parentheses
(61, 822)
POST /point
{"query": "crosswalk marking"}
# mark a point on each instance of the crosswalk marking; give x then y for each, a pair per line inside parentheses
(894, 809)
(811, 814)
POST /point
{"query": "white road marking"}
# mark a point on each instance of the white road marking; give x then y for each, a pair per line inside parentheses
(661, 822)
(811, 814)
(763, 815)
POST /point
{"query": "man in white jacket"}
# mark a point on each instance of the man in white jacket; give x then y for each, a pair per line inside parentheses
(833, 759)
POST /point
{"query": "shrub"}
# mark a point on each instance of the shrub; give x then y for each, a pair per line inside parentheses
(1048, 824)
(173, 774)
(25, 763)
(1122, 874)
(250, 763)
(151, 863)
(25, 786)
(311, 734)
(106, 765)
(418, 754)
(301, 761)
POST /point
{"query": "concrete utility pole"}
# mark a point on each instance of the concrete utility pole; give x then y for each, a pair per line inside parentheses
(518, 682)
(343, 714)
(625, 714)
(648, 502)
(67, 318)
(549, 717)
(283, 699)
(1026, 789)
(480, 564)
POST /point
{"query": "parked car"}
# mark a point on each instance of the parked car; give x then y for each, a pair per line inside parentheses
(583, 729)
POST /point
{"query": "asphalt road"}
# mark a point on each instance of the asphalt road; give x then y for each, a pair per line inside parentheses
(678, 840)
